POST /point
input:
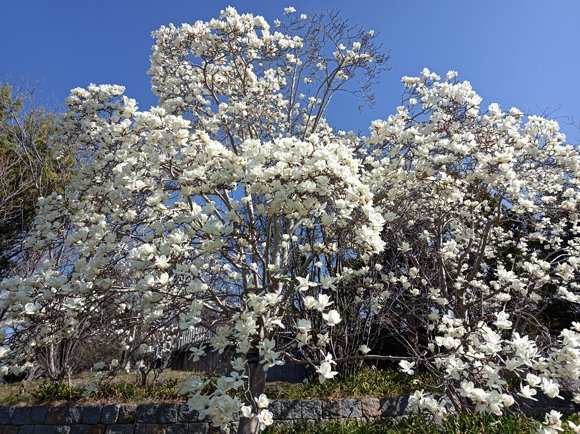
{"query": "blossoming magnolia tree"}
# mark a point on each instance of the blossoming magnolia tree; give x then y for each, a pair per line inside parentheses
(482, 237)
(233, 204)
(214, 208)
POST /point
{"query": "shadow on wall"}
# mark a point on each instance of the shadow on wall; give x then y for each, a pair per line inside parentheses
(220, 363)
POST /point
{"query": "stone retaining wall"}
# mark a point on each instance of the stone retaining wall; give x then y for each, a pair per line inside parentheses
(183, 419)
(178, 418)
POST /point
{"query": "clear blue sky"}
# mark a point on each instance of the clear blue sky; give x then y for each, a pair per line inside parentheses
(514, 52)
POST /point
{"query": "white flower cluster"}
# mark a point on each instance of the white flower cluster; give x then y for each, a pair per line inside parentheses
(171, 226)
(209, 212)
(490, 240)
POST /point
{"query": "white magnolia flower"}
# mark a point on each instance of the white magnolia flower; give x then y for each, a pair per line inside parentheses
(263, 401)
(502, 321)
(30, 308)
(364, 349)
(551, 388)
(533, 380)
(197, 353)
(238, 364)
(303, 326)
(99, 365)
(406, 367)
(325, 372)
(553, 421)
(246, 411)
(332, 318)
(527, 393)
(265, 419)
(575, 428)
(310, 302)
(329, 359)
(323, 302)
(324, 340)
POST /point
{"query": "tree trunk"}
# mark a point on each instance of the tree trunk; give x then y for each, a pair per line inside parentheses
(460, 403)
(144, 375)
(257, 386)
(248, 425)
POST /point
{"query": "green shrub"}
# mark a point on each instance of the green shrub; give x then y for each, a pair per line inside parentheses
(111, 391)
(56, 392)
(366, 383)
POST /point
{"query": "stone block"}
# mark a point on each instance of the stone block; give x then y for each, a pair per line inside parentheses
(110, 413)
(11, 430)
(396, 406)
(55, 415)
(97, 429)
(73, 415)
(187, 413)
(388, 406)
(404, 406)
(6, 415)
(167, 413)
(140, 428)
(197, 428)
(290, 409)
(27, 429)
(177, 428)
(274, 408)
(371, 407)
(21, 416)
(119, 429)
(61, 429)
(331, 409)
(79, 429)
(156, 428)
(311, 409)
(127, 413)
(43, 429)
(217, 430)
(37, 414)
(92, 414)
(448, 404)
(351, 408)
(147, 413)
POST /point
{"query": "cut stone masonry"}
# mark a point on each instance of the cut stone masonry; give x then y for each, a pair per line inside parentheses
(179, 418)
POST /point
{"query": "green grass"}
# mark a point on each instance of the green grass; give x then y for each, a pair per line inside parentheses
(123, 388)
(9, 394)
(109, 392)
(367, 383)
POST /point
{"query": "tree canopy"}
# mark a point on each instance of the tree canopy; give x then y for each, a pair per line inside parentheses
(28, 167)
(234, 206)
